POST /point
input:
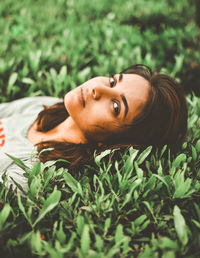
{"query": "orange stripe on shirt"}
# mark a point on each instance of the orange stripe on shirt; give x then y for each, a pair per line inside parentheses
(2, 135)
(2, 142)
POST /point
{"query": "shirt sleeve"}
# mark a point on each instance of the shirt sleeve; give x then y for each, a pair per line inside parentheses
(25, 105)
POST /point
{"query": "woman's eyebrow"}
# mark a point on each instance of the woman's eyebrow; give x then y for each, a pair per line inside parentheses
(123, 97)
(125, 104)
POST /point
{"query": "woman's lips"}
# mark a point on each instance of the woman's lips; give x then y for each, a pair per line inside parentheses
(82, 98)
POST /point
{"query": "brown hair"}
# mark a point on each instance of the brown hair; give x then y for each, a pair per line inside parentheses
(163, 121)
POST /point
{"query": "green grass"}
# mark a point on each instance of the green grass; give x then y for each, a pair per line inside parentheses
(143, 205)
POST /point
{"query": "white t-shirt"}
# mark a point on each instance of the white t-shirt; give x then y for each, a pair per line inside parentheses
(16, 117)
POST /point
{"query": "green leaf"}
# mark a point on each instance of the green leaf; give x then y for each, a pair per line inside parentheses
(99, 157)
(37, 169)
(35, 186)
(98, 242)
(36, 242)
(128, 196)
(107, 225)
(23, 210)
(197, 209)
(50, 203)
(133, 153)
(180, 225)
(194, 153)
(197, 146)
(197, 223)
(144, 155)
(181, 158)
(128, 166)
(84, 73)
(70, 243)
(63, 72)
(178, 64)
(163, 151)
(162, 179)
(53, 73)
(24, 191)
(60, 234)
(73, 183)
(144, 225)
(19, 163)
(4, 213)
(80, 224)
(140, 220)
(182, 189)
(28, 81)
(85, 240)
(167, 243)
(22, 239)
(150, 209)
(139, 171)
(126, 245)
(11, 82)
(169, 254)
(119, 234)
(160, 169)
(34, 58)
(48, 175)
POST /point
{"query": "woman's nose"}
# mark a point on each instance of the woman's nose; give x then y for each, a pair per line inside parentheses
(100, 91)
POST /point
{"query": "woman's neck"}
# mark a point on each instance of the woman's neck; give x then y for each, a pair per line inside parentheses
(66, 131)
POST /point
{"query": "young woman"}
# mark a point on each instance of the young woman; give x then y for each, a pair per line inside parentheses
(134, 108)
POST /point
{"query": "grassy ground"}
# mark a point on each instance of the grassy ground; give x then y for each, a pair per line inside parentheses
(145, 205)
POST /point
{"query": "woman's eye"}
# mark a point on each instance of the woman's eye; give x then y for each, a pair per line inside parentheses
(116, 108)
(112, 82)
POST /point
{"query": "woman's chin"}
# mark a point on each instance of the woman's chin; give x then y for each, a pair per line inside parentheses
(67, 99)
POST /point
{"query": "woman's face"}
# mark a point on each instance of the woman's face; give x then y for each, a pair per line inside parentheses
(102, 106)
